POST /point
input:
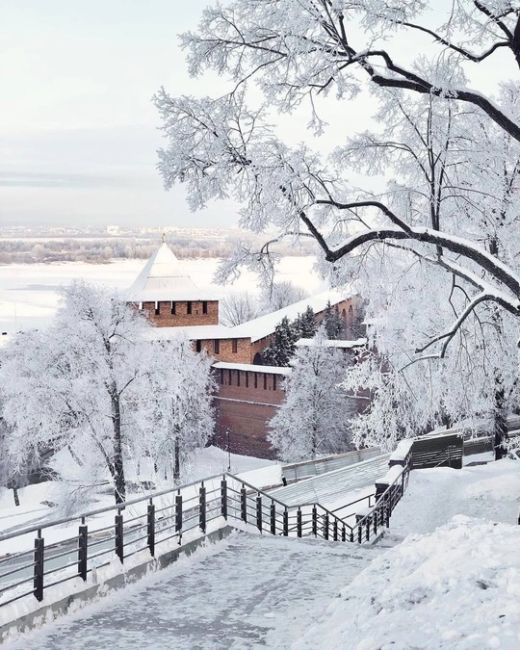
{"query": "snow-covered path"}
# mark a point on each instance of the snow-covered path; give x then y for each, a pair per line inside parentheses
(245, 592)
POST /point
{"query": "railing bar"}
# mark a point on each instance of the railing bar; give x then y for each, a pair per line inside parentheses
(61, 568)
(62, 554)
(165, 539)
(139, 550)
(16, 556)
(108, 550)
(134, 541)
(121, 506)
(21, 568)
(128, 521)
(172, 506)
(12, 600)
(13, 585)
(101, 541)
(100, 530)
(57, 582)
(57, 545)
(134, 529)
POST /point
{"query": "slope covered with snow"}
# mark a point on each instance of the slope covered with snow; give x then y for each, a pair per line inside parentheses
(452, 584)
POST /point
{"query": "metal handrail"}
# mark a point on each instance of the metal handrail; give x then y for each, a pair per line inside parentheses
(243, 502)
(99, 511)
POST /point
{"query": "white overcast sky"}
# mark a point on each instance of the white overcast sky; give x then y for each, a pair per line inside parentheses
(78, 131)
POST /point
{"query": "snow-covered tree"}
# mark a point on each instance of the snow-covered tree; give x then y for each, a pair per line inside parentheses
(281, 350)
(315, 417)
(237, 308)
(88, 387)
(183, 391)
(279, 295)
(305, 324)
(302, 51)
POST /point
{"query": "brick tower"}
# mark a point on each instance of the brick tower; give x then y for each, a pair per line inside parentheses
(168, 296)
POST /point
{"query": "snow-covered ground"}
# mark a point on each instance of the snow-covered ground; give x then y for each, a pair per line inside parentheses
(30, 293)
(451, 581)
(35, 499)
(446, 576)
(245, 592)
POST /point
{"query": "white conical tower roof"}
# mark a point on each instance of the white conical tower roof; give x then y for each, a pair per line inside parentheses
(163, 278)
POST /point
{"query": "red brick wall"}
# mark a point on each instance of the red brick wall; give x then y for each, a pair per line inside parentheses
(225, 347)
(181, 317)
(247, 426)
(245, 411)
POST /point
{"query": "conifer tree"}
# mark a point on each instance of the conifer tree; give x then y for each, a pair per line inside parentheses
(305, 324)
(334, 326)
(280, 352)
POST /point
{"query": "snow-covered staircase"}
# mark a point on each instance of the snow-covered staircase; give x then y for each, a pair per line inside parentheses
(246, 591)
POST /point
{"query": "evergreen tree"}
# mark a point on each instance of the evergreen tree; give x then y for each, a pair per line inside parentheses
(280, 352)
(334, 325)
(305, 324)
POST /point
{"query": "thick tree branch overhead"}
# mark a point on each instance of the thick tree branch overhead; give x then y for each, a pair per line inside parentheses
(460, 183)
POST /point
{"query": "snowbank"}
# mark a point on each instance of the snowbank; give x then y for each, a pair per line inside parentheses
(458, 587)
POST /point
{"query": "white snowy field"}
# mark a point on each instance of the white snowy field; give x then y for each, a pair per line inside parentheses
(452, 580)
(36, 501)
(30, 293)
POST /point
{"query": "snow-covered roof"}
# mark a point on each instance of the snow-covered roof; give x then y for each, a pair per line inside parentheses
(192, 332)
(342, 344)
(249, 367)
(260, 327)
(163, 278)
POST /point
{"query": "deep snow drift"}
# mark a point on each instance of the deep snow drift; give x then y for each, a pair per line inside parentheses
(457, 586)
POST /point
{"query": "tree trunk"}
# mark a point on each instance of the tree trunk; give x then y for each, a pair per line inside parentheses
(499, 421)
(499, 413)
(118, 463)
(16, 497)
(177, 460)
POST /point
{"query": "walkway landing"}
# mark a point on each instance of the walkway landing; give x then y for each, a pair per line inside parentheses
(245, 592)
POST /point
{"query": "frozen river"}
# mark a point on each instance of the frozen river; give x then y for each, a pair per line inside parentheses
(31, 293)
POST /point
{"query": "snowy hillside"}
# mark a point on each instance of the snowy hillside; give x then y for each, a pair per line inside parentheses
(455, 586)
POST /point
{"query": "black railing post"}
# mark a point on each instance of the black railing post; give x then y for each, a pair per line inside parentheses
(150, 528)
(259, 512)
(387, 515)
(375, 523)
(202, 507)
(299, 525)
(351, 537)
(273, 518)
(120, 551)
(335, 529)
(223, 497)
(359, 534)
(243, 504)
(367, 529)
(178, 512)
(82, 550)
(343, 534)
(286, 523)
(315, 520)
(326, 526)
(38, 566)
